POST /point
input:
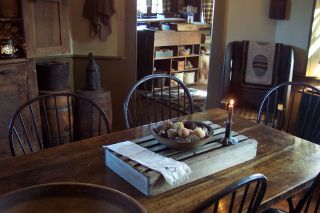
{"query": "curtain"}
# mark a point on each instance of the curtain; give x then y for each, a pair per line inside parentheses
(167, 6)
(207, 10)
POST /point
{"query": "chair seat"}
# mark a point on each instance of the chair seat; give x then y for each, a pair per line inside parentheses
(245, 113)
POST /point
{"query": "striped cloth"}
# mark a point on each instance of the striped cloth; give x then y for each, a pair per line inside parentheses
(260, 63)
(207, 9)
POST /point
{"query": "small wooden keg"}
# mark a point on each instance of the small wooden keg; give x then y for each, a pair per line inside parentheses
(52, 76)
(103, 99)
(60, 108)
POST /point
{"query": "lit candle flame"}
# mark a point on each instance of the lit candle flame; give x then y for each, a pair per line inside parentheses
(231, 102)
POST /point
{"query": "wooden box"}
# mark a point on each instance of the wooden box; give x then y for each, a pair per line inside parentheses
(278, 9)
(169, 38)
(178, 65)
(203, 161)
(163, 53)
(184, 27)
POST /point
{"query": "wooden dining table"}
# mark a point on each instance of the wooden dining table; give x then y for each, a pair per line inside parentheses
(289, 163)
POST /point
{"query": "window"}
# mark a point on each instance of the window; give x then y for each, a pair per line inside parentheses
(142, 6)
(156, 6)
(313, 66)
(150, 6)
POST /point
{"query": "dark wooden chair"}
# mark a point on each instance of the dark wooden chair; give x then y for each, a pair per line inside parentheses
(250, 69)
(154, 98)
(309, 202)
(245, 194)
(55, 119)
(292, 107)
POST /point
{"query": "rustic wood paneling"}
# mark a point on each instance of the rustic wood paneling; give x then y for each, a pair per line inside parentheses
(46, 27)
(167, 38)
(17, 85)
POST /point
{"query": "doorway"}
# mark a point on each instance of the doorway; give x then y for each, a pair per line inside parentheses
(174, 37)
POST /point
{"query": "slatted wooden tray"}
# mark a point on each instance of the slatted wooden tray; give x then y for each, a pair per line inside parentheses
(203, 161)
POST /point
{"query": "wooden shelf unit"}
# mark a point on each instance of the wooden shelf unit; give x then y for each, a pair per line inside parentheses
(10, 19)
(162, 58)
(151, 41)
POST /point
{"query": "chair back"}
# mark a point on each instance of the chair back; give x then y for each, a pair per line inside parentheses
(243, 195)
(310, 202)
(252, 68)
(292, 107)
(55, 119)
(155, 98)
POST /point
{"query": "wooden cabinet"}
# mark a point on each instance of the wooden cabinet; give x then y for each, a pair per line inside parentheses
(11, 30)
(38, 28)
(171, 52)
(46, 27)
(17, 85)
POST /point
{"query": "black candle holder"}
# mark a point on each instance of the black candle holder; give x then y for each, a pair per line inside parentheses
(228, 140)
(228, 129)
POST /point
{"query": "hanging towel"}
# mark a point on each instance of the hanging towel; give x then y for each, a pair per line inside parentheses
(99, 13)
(260, 63)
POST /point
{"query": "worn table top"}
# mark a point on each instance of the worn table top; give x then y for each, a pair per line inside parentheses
(288, 162)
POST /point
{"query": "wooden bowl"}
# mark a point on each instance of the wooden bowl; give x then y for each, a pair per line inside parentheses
(184, 144)
(68, 197)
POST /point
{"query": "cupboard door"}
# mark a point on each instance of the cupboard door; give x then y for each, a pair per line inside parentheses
(17, 85)
(46, 27)
(13, 93)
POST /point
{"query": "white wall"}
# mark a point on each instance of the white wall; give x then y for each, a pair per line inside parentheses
(81, 41)
(248, 20)
(296, 31)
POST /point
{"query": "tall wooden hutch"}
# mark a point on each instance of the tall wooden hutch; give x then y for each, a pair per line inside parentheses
(35, 28)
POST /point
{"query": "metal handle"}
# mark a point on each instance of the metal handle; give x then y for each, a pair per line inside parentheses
(6, 71)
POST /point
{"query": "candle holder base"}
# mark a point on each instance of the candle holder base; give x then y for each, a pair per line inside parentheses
(229, 141)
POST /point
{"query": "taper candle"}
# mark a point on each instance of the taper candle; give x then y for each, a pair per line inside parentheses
(230, 110)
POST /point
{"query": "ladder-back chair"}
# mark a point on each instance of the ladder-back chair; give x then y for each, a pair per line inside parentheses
(55, 119)
(292, 107)
(244, 195)
(155, 98)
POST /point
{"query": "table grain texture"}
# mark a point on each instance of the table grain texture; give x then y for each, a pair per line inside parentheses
(289, 163)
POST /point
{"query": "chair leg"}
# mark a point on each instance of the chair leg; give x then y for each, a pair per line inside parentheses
(290, 203)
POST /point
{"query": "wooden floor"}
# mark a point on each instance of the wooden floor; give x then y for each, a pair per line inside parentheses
(283, 205)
